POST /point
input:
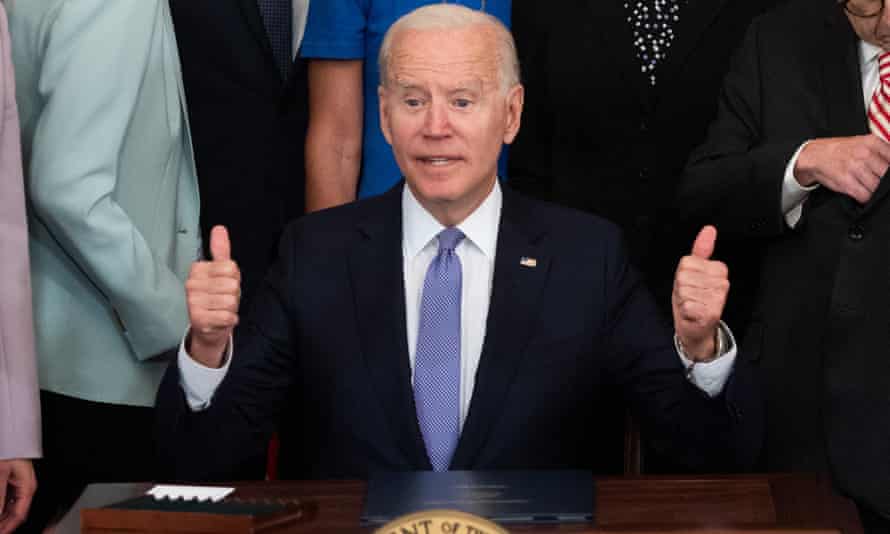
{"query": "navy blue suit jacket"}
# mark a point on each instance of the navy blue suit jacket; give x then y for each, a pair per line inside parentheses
(325, 352)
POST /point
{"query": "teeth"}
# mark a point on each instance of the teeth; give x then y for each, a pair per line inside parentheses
(438, 161)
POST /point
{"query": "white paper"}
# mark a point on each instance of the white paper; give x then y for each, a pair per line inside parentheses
(190, 493)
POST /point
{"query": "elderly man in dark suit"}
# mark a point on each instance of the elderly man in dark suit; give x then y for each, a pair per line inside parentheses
(451, 323)
(796, 164)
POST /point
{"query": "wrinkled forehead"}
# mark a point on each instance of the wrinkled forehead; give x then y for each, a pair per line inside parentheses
(449, 57)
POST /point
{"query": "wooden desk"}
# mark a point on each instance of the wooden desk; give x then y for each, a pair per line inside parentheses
(716, 504)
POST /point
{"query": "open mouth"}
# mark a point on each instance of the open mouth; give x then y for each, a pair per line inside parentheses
(438, 161)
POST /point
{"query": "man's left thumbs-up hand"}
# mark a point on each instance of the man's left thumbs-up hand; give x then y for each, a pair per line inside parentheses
(700, 289)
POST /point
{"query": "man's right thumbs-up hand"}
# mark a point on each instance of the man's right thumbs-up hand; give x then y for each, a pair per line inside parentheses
(213, 291)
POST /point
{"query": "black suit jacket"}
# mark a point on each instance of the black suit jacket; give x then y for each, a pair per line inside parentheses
(819, 329)
(248, 127)
(327, 335)
(597, 137)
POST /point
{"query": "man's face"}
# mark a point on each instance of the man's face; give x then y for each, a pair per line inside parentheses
(874, 30)
(446, 115)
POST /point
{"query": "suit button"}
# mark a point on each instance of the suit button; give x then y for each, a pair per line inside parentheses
(644, 127)
(856, 233)
(735, 412)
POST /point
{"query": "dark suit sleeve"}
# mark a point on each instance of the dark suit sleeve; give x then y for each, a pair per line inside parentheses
(684, 425)
(734, 179)
(228, 441)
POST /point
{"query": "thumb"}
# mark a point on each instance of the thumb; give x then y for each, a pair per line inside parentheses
(704, 243)
(220, 249)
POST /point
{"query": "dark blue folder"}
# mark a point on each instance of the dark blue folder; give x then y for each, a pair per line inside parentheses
(501, 496)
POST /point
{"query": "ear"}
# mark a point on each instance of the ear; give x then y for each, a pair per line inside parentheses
(384, 113)
(515, 101)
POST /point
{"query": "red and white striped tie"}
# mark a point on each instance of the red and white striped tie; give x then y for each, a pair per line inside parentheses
(879, 109)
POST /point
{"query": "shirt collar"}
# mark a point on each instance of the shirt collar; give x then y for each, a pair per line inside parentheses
(868, 52)
(419, 227)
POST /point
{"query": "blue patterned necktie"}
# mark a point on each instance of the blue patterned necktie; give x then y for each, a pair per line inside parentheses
(437, 359)
(278, 20)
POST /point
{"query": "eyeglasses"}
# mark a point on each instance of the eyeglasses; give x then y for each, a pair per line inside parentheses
(863, 8)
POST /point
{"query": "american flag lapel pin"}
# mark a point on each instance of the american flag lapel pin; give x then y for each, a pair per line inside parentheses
(525, 261)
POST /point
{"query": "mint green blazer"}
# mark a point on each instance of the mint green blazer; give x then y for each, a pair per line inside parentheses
(111, 188)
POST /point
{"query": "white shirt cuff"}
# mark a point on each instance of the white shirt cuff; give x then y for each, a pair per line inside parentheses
(711, 376)
(197, 381)
(794, 194)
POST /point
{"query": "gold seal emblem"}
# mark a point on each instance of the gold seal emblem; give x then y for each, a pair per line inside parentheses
(440, 522)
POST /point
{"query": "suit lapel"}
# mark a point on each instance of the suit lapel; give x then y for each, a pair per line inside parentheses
(619, 39)
(376, 271)
(254, 20)
(842, 88)
(516, 291)
(695, 18)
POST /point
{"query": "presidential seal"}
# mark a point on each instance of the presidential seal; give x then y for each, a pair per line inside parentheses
(440, 522)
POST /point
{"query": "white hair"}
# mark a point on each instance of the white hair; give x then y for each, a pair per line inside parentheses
(454, 17)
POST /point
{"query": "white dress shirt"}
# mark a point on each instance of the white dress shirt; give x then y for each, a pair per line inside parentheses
(477, 253)
(301, 12)
(794, 194)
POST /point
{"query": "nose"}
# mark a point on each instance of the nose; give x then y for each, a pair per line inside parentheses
(438, 123)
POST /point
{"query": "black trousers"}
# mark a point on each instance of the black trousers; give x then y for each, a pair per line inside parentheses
(86, 442)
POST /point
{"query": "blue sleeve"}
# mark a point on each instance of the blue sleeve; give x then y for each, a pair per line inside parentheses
(335, 29)
(502, 9)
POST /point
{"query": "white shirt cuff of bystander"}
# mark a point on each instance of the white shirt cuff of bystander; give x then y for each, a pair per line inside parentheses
(794, 194)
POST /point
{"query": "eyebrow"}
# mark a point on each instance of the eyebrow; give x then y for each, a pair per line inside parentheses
(472, 86)
(475, 87)
(407, 86)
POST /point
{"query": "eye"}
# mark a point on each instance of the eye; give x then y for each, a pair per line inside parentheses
(413, 102)
(462, 103)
